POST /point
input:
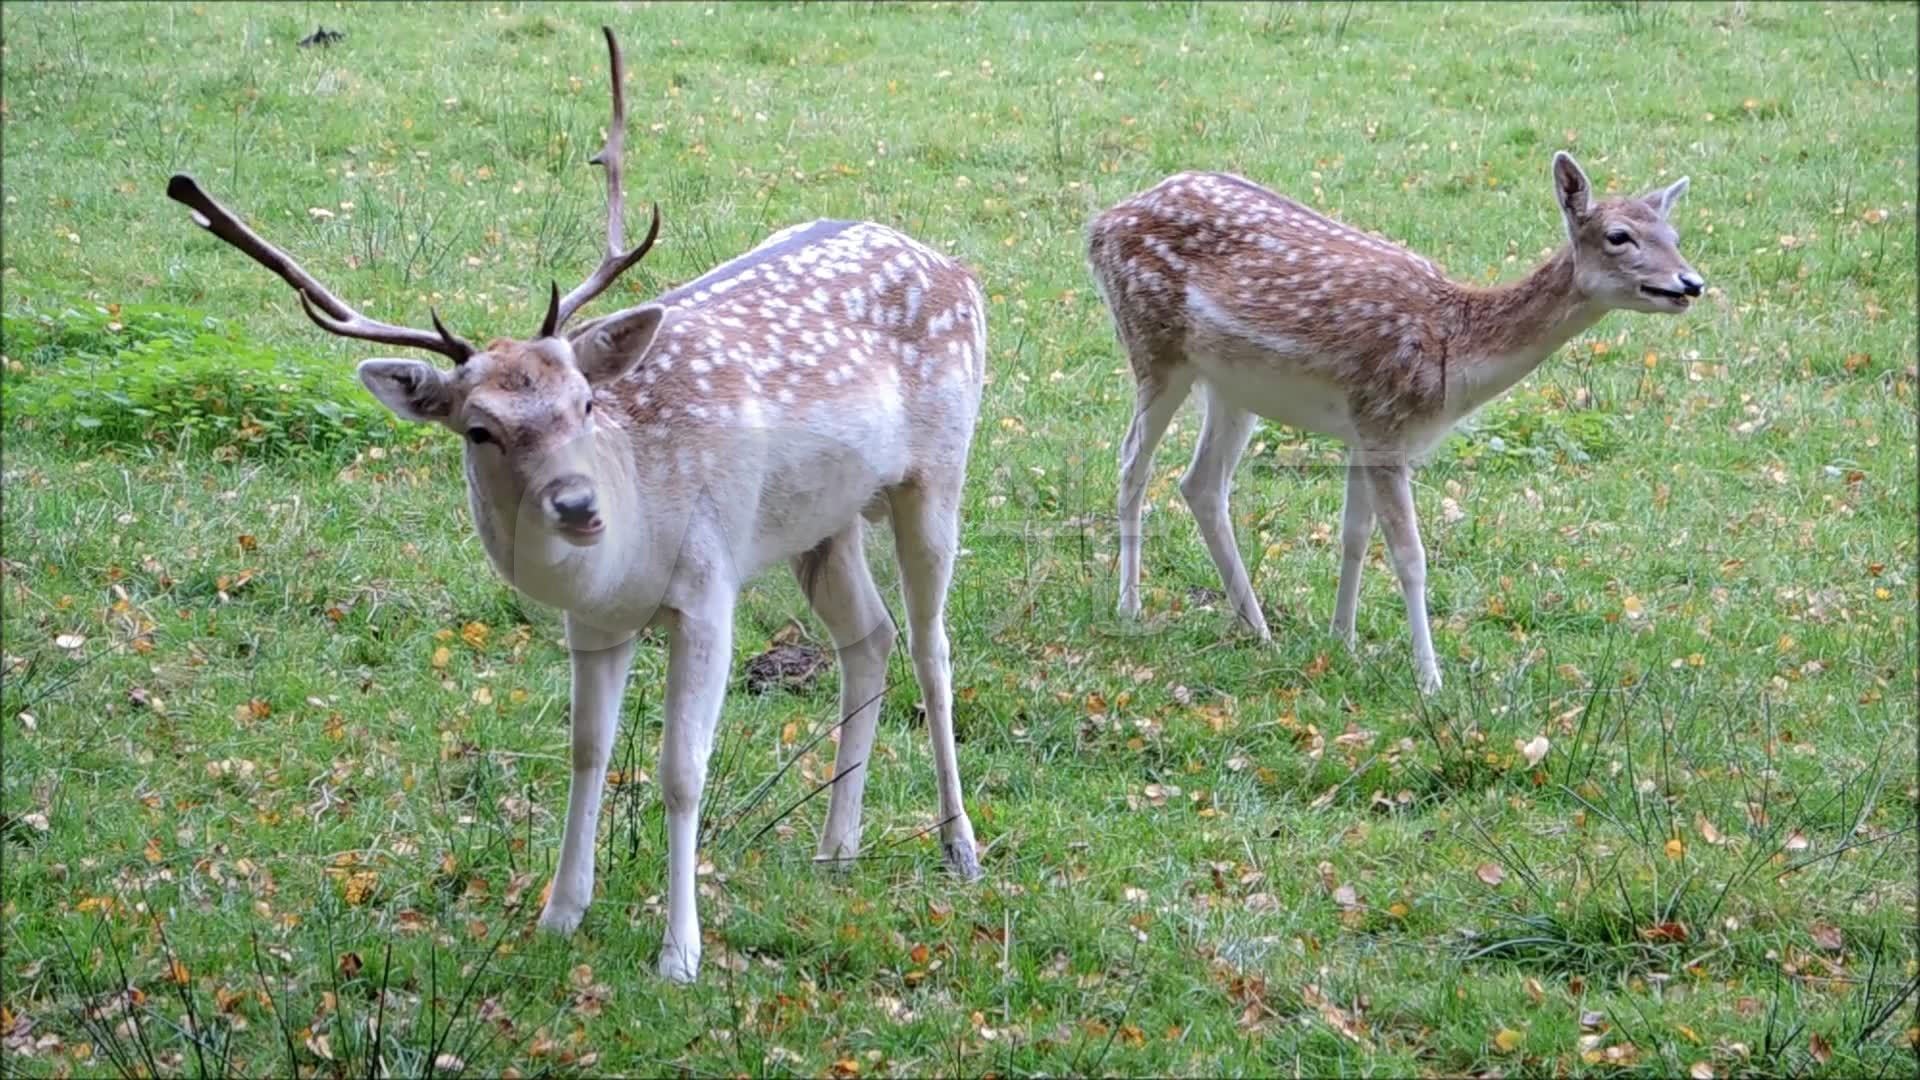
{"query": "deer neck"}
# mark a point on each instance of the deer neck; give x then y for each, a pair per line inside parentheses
(534, 560)
(1504, 333)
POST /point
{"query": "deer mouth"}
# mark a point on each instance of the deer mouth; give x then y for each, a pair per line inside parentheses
(583, 532)
(1671, 296)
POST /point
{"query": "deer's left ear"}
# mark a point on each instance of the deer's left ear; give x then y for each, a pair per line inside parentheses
(1662, 200)
(608, 348)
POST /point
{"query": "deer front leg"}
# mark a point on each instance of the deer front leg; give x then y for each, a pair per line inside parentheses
(600, 663)
(1392, 489)
(1356, 529)
(701, 649)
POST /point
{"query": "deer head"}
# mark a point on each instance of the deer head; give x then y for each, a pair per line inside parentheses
(524, 406)
(1625, 254)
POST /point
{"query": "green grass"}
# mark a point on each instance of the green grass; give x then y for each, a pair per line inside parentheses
(1683, 551)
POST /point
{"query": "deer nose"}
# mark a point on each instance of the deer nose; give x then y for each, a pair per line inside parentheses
(1692, 283)
(575, 507)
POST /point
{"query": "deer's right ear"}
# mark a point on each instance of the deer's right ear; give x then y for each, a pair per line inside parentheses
(609, 348)
(413, 389)
(1571, 188)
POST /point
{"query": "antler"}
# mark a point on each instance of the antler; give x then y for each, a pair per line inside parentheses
(560, 309)
(338, 318)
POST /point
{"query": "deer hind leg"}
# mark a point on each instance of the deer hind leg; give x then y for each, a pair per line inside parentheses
(1356, 530)
(1160, 391)
(1206, 485)
(926, 528)
(700, 653)
(1392, 489)
(840, 589)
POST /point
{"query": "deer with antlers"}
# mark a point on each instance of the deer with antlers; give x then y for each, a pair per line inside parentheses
(638, 468)
(1277, 311)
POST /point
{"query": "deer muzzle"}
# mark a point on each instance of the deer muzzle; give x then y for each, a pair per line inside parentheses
(572, 507)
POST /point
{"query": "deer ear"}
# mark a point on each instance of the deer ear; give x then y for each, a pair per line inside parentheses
(1571, 188)
(413, 389)
(1662, 200)
(608, 348)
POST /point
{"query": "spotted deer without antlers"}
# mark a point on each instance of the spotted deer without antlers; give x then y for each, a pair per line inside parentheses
(1277, 311)
(638, 468)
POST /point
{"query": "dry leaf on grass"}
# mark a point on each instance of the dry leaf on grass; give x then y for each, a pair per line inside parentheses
(1821, 1049)
(1491, 873)
(1536, 751)
(785, 667)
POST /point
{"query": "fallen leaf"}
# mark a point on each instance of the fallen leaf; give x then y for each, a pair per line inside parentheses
(1666, 931)
(70, 641)
(1821, 1049)
(1827, 936)
(1536, 750)
(1507, 1040)
(1676, 848)
(1700, 1070)
(360, 886)
(1262, 902)
(786, 667)
(1491, 873)
(1707, 832)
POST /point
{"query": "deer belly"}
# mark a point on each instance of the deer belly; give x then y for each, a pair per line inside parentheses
(1298, 400)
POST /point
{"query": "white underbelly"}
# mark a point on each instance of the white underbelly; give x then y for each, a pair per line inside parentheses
(1296, 399)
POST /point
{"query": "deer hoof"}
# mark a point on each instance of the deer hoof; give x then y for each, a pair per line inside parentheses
(961, 859)
(561, 920)
(679, 964)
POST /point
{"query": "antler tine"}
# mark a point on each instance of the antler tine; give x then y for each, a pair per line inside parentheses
(615, 263)
(327, 311)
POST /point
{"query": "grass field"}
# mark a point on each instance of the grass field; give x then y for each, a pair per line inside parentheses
(285, 764)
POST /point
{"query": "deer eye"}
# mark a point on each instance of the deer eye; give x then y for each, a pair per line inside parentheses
(589, 411)
(479, 435)
(1620, 236)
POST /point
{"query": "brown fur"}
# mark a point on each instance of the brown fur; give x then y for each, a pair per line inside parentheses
(1366, 313)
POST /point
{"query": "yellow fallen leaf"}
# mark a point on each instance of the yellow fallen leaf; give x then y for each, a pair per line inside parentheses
(360, 886)
(442, 656)
(1508, 1040)
(1676, 848)
(475, 634)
